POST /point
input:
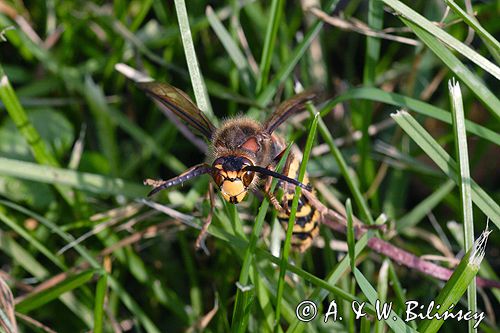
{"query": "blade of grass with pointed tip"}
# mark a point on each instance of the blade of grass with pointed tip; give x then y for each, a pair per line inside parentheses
(105, 127)
(291, 221)
(462, 155)
(444, 161)
(429, 110)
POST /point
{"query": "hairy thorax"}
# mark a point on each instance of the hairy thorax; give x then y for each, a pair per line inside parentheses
(243, 137)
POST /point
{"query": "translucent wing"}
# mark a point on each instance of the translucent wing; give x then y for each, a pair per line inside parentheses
(286, 109)
(180, 104)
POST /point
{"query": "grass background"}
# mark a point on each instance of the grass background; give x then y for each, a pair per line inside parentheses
(77, 138)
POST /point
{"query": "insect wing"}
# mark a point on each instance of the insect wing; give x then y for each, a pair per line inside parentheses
(287, 109)
(180, 104)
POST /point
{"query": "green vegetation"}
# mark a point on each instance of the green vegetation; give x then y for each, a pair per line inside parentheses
(405, 133)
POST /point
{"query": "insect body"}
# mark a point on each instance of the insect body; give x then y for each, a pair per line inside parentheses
(242, 156)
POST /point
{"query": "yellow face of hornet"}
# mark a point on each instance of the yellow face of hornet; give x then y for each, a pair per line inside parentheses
(231, 177)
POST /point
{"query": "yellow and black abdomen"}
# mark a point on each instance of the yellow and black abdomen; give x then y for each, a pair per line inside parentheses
(307, 218)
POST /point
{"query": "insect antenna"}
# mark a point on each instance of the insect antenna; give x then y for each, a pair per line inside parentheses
(273, 174)
(192, 172)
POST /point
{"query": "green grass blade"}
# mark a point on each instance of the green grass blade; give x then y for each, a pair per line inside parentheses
(267, 93)
(200, 90)
(20, 118)
(32, 240)
(382, 286)
(430, 28)
(127, 300)
(444, 161)
(362, 117)
(344, 169)
(457, 284)
(465, 75)
(36, 300)
(100, 294)
(406, 102)
(106, 129)
(230, 45)
(350, 234)
(81, 180)
(241, 297)
(291, 221)
(23, 257)
(490, 41)
(148, 144)
(413, 217)
(393, 321)
(461, 152)
(269, 43)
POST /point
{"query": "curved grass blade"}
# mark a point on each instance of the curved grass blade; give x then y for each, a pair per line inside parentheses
(476, 85)
(491, 43)
(429, 110)
(417, 20)
(444, 161)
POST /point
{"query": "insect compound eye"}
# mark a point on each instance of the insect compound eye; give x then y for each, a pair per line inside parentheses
(248, 177)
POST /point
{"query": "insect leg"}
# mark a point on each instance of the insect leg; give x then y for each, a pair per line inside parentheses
(192, 172)
(200, 240)
(267, 191)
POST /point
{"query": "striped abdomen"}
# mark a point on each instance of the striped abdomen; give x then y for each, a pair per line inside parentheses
(307, 218)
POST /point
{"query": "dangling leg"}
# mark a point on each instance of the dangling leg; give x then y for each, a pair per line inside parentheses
(200, 240)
